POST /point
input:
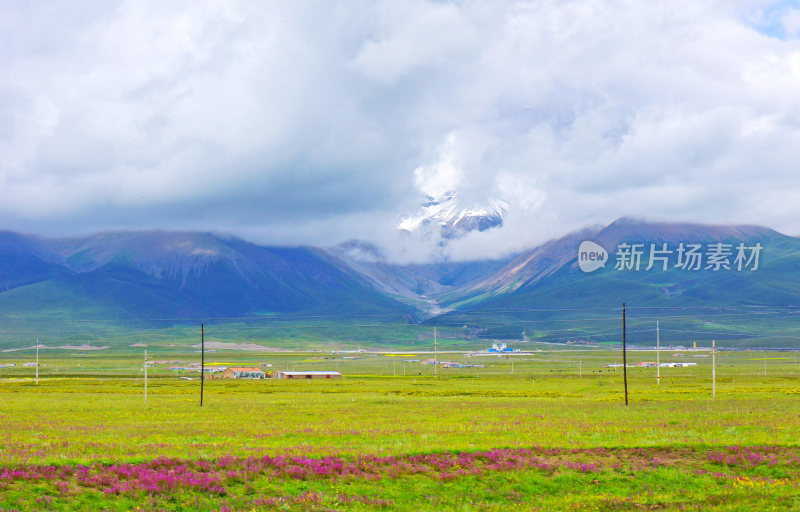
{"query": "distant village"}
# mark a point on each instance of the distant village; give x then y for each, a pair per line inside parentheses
(265, 371)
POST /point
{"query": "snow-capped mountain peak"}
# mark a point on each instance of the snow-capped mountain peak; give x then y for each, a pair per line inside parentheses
(451, 218)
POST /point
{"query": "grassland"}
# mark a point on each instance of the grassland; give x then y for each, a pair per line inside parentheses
(544, 431)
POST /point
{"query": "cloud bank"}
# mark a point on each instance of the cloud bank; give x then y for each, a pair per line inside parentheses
(315, 122)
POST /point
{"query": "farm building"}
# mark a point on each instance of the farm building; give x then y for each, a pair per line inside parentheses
(307, 375)
(243, 373)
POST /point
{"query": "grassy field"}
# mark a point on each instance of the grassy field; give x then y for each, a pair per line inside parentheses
(543, 431)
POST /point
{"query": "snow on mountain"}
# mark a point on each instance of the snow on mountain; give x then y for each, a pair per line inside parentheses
(453, 219)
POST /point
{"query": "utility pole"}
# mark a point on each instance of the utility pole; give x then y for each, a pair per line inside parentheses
(37, 361)
(435, 356)
(713, 369)
(145, 376)
(624, 357)
(658, 353)
(202, 362)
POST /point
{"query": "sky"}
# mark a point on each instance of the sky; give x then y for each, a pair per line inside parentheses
(313, 123)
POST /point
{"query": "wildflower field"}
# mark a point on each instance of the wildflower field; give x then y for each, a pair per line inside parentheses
(548, 431)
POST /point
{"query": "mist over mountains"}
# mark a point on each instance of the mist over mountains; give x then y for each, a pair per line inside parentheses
(133, 278)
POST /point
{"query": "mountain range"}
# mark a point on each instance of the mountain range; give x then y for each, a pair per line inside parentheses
(173, 278)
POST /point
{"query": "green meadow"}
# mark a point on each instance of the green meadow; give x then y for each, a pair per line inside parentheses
(547, 430)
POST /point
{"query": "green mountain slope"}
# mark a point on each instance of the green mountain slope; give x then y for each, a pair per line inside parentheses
(159, 279)
(551, 299)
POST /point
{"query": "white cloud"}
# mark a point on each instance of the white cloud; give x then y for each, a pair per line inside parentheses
(315, 122)
(445, 175)
(791, 23)
(415, 35)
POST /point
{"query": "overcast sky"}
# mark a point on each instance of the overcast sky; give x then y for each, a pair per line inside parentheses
(316, 122)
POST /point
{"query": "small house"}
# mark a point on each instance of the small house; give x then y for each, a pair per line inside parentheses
(243, 373)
